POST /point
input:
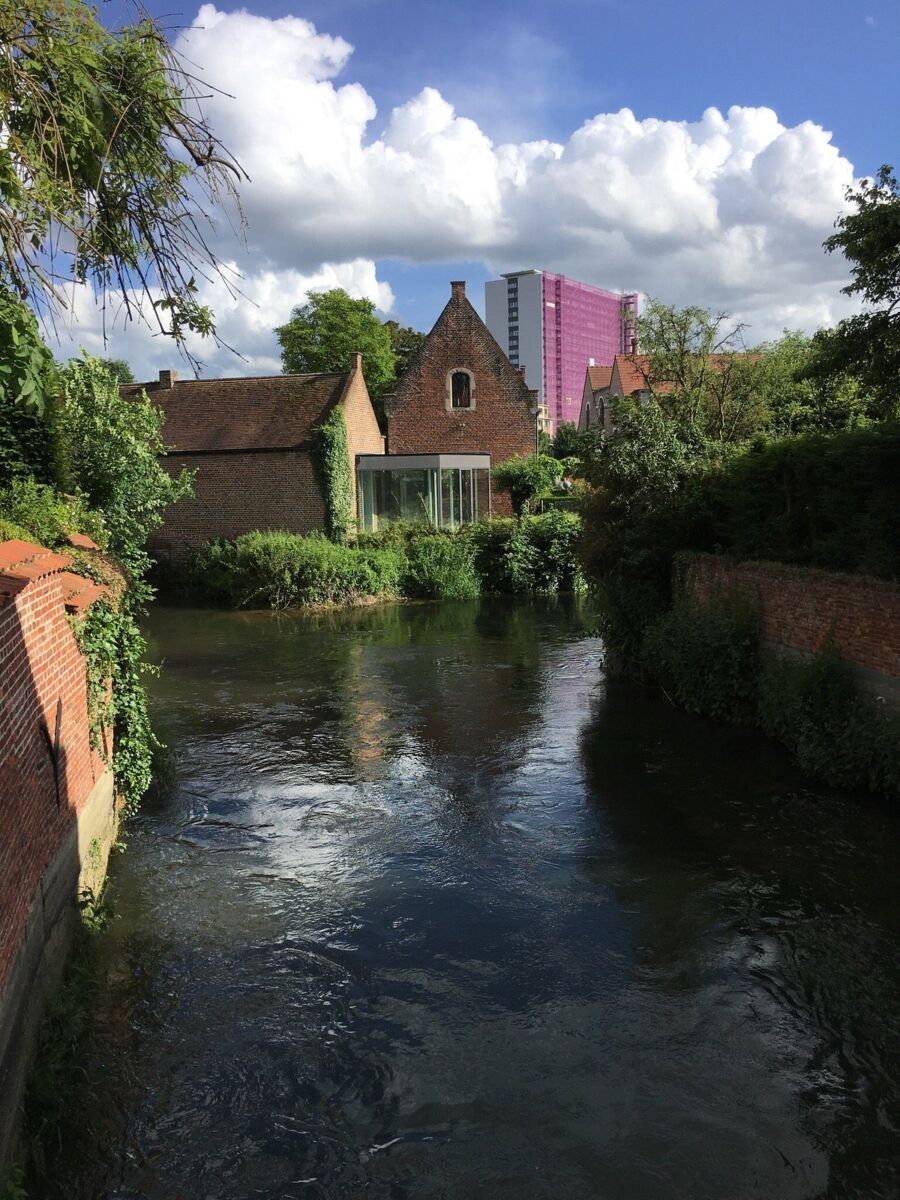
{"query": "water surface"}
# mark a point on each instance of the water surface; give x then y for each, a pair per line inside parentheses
(431, 909)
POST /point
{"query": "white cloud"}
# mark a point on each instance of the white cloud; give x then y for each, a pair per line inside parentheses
(728, 211)
(244, 320)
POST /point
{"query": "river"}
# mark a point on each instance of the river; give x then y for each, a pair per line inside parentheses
(429, 908)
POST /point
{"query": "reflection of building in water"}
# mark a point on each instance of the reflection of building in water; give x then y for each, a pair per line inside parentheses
(454, 701)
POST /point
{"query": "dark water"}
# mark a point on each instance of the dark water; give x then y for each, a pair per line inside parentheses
(432, 910)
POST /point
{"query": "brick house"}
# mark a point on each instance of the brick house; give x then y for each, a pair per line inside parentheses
(461, 396)
(249, 442)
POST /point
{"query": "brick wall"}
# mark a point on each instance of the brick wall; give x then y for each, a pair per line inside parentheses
(499, 423)
(41, 668)
(803, 609)
(237, 492)
(363, 434)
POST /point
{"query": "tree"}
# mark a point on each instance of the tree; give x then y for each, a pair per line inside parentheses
(567, 441)
(108, 168)
(27, 388)
(113, 447)
(799, 401)
(325, 332)
(867, 347)
(119, 369)
(526, 477)
(697, 371)
(405, 343)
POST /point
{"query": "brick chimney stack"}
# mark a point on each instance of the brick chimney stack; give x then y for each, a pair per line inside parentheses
(458, 288)
(167, 379)
(357, 361)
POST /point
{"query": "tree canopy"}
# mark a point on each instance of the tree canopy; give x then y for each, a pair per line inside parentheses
(323, 334)
(108, 168)
(867, 346)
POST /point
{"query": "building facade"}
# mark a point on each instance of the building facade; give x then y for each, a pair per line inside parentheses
(553, 326)
(461, 396)
(249, 442)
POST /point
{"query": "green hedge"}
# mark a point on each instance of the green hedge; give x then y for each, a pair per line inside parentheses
(535, 555)
(286, 570)
(821, 500)
(710, 662)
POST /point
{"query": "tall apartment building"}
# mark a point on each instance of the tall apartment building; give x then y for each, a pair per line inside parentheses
(554, 327)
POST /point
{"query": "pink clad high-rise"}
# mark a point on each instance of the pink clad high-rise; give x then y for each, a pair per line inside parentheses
(554, 327)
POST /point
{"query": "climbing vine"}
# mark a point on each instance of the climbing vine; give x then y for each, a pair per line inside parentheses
(114, 648)
(331, 460)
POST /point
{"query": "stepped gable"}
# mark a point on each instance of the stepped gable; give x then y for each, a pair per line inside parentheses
(22, 563)
(246, 413)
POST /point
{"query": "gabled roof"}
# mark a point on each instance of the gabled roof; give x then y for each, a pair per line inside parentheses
(458, 324)
(600, 377)
(632, 371)
(629, 370)
(263, 412)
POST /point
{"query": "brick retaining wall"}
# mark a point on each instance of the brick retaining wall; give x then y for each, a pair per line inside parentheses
(804, 609)
(57, 816)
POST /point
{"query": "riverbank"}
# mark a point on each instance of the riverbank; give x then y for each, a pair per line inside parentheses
(527, 556)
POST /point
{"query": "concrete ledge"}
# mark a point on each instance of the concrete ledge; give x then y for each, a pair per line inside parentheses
(38, 966)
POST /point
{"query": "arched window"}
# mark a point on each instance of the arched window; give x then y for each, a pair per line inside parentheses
(461, 389)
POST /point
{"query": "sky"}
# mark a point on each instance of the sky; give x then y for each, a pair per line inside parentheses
(693, 151)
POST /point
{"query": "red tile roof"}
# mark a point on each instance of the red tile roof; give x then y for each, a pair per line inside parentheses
(269, 412)
(600, 377)
(630, 369)
(634, 368)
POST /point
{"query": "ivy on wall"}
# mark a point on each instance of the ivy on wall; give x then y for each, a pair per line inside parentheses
(331, 461)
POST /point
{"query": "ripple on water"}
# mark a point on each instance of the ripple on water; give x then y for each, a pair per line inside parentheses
(434, 911)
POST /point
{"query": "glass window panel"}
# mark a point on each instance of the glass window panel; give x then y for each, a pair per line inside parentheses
(465, 488)
(482, 494)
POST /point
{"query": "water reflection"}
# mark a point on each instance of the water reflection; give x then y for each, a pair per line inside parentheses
(431, 910)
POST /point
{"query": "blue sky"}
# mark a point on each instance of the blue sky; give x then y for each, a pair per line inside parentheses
(528, 72)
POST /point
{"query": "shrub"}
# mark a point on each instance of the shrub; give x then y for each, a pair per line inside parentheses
(706, 659)
(822, 500)
(526, 477)
(816, 708)
(45, 516)
(285, 570)
(534, 555)
(441, 568)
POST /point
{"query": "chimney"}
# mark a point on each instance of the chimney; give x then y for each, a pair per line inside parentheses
(634, 345)
(167, 379)
(521, 371)
(591, 363)
(458, 288)
(357, 361)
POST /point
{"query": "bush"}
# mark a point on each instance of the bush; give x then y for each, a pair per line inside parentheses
(534, 555)
(710, 662)
(820, 500)
(286, 570)
(526, 477)
(707, 660)
(43, 515)
(815, 708)
(441, 567)
(278, 570)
